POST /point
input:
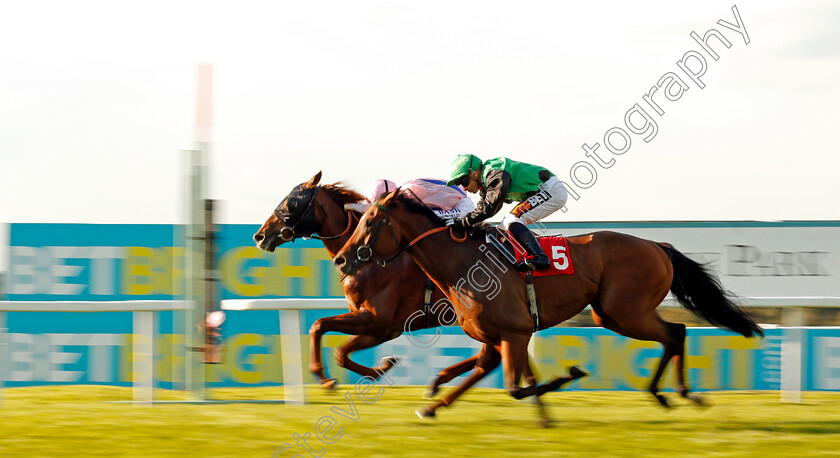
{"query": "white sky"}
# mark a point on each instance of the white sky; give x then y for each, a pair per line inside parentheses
(97, 100)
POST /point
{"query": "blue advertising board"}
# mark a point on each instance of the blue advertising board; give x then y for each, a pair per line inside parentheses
(92, 262)
(95, 348)
(99, 262)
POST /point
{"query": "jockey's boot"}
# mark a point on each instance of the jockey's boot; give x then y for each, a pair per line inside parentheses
(536, 258)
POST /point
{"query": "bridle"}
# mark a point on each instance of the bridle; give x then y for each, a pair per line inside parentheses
(365, 253)
(306, 220)
(367, 248)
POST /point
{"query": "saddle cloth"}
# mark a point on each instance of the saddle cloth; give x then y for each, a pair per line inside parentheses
(557, 249)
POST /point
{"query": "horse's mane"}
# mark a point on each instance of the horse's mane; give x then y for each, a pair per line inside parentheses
(342, 195)
(414, 206)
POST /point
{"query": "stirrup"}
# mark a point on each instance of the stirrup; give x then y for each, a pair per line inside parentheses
(525, 265)
(528, 264)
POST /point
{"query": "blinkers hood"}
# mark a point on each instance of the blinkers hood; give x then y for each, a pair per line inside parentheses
(297, 211)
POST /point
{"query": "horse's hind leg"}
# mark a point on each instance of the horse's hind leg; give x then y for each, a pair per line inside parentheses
(679, 368)
(356, 343)
(365, 331)
(649, 326)
(674, 348)
(350, 323)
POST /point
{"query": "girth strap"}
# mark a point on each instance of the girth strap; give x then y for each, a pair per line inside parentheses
(428, 298)
(533, 305)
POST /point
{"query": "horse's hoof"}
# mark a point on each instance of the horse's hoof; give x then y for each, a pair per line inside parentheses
(431, 392)
(425, 413)
(544, 423)
(578, 372)
(389, 362)
(328, 384)
(662, 400)
(698, 400)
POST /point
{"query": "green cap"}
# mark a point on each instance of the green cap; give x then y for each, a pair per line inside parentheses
(462, 165)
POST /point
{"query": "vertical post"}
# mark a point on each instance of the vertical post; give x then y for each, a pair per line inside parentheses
(204, 104)
(142, 357)
(4, 354)
(197, 234)
(791, 376)
(293, 392)
(196, 246)
(179, 343)
(211, 303)
(4, 346)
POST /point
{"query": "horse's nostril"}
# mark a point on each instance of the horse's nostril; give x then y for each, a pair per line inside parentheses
(258, 237)
(339, 261)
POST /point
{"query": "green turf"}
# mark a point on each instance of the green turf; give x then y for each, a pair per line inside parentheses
(73, 421)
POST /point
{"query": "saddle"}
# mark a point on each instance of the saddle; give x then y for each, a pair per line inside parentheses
(557, 249)
(555, 246)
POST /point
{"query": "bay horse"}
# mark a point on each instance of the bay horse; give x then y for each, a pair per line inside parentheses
(382, 301)
(623, 277)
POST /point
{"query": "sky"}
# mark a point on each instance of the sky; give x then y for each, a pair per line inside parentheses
(97, 103)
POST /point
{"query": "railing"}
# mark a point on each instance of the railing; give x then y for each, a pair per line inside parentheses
(144, 323)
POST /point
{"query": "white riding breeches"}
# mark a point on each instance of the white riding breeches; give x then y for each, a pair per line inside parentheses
(550, 197)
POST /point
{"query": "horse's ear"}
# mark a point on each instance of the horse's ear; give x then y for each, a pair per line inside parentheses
(314, 181)
(390, 197)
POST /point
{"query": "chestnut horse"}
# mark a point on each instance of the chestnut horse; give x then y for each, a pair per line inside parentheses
(624, 278)
(382, 301)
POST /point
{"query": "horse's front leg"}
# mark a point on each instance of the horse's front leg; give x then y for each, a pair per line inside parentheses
(360, 322)
(485, 361)
(458, 369)
(450, 373)
(514, 353)
(531, 380)
(445, 375)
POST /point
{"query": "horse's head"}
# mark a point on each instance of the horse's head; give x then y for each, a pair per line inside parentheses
(293, 218)
(374, 234)
(390, 226)
(307, 211)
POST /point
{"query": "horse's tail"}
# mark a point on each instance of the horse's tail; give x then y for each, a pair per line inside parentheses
(700, 291)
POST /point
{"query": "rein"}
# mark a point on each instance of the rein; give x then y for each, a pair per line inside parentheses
(350, 217)
(387, 219)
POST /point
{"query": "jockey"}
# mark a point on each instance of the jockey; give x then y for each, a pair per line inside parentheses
(448, 202)
(501, 181)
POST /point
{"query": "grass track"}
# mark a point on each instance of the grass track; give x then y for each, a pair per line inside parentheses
(72, 421)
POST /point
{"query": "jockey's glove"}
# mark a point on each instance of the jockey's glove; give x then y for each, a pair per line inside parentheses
(461, 222)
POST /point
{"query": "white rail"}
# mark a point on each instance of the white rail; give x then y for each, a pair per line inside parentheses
(289, 311)
(142, 346)
(103, 306)
(284, 304)
(671, 301)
